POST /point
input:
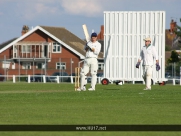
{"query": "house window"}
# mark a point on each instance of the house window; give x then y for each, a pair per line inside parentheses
(26, 48)
(26, 66)
(13, 65)
(57, 47)
(61, 65)
(39, 65)
(100, 66)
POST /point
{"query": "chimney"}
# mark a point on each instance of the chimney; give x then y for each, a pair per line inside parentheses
(25, 29)
(101, 34)
(172, 26)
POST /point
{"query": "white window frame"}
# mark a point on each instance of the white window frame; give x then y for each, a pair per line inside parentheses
(61, 65)
(55, 46)
(13, 65)
(100, 66)
(26, 65)
(42, 65)
(26, 49)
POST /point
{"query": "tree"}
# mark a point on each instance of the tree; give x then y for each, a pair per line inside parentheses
(178, 32)
(174, 57)
(167, 48)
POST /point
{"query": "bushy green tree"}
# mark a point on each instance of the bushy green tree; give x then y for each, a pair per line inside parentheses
(170, 61)
(167, 48)
(174, 57)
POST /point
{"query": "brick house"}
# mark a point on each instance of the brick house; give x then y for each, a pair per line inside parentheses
(44, 50)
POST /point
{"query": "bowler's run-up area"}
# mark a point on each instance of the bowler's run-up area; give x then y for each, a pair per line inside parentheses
(123, 39)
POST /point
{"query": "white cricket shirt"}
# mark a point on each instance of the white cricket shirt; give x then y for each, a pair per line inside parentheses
(148, 55)
(97, 46)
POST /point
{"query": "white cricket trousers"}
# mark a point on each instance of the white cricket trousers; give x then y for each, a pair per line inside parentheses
(92, 65)
(147, 75)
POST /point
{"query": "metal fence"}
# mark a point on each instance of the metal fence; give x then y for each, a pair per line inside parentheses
(41, 79)
(44, 70)
(173, 73)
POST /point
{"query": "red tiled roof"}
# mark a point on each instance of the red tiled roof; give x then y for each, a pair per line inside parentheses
(68, 38)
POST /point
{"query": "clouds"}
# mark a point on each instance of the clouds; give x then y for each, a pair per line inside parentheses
(71, 14)
(89, 8)
(28, 10)
(32, 10)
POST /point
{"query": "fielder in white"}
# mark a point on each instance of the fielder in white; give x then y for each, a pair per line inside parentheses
(92, 49)
(148, 54)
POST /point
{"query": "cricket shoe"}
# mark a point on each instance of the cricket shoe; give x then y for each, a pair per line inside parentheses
(81, 89)
(147, 88)
(84, 88)
(91, 89)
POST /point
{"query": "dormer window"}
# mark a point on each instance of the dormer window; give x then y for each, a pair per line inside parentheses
(57, 48)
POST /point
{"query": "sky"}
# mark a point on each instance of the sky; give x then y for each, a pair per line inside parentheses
(72, 14)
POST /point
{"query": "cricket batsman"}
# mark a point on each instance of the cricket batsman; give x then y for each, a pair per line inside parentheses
(92, 49)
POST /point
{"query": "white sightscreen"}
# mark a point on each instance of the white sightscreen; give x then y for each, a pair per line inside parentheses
(123, 39)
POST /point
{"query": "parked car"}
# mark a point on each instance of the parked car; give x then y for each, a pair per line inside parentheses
(69, 78)
(63, 77)
(38, 78)
(177, 80)
(167, 75)
(1, 77)
(98, 75)
(170, 79)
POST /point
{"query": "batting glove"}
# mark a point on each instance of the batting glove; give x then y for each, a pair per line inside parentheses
(157, 67)
(89, 46)
(138, 64)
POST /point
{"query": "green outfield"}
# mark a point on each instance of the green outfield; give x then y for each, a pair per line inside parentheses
(59, 104)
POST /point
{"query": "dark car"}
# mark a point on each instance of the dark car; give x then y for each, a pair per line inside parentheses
(69, 78)
(99, 75)
(38, 78)
(2, 77)
(176, 78)
(63, 77)
(167, 75)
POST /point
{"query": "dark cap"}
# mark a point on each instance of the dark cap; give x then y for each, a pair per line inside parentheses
(94, 35)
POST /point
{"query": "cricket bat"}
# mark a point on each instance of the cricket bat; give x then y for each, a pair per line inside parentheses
(87, 37)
